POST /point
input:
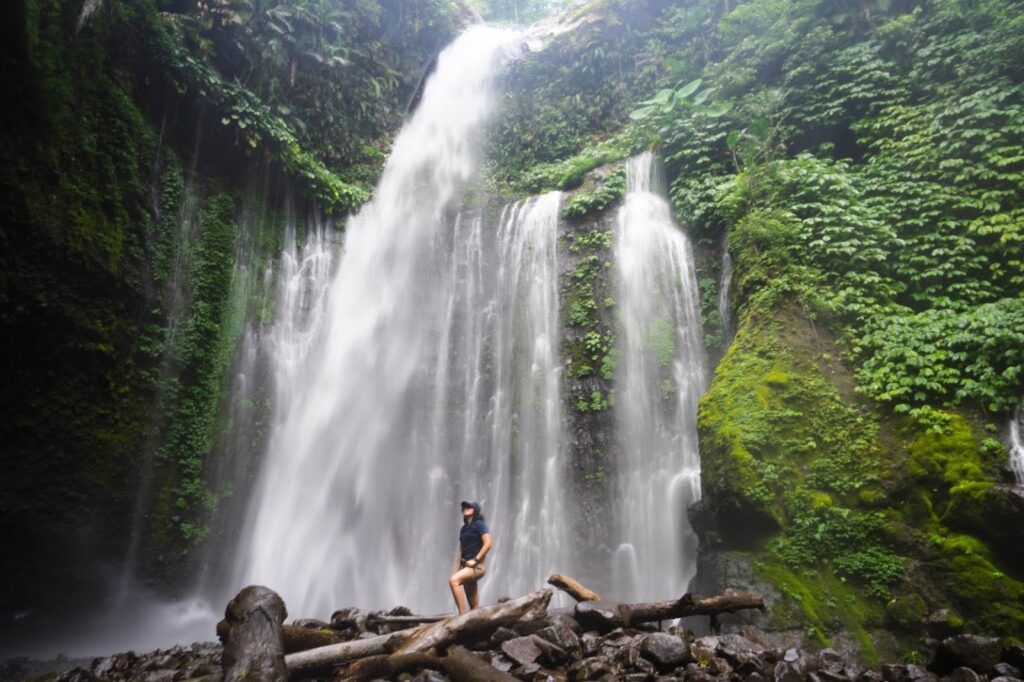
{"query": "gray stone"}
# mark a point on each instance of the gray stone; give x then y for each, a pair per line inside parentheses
(906, 673)
(785, 671)
(561, 635)
(592, 668)
(1005, 670)
(664, 650)
(522, 650)
(502, 635)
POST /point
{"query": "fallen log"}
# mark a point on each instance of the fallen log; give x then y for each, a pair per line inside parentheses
(606, 616)
(573, 588)
(459, 664)
(320, 661)
(477, 623)
(253, 650)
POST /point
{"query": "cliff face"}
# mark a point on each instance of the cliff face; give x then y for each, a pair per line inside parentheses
(153, 155)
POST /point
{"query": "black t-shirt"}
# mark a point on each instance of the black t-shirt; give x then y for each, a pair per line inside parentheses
(471, 538)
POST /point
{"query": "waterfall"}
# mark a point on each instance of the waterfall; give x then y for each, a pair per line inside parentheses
(724, 282)
(660, 377)
(1017, 445)
(430, 375)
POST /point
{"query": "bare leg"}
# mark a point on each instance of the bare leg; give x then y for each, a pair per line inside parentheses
(455, 582)
(473, 594)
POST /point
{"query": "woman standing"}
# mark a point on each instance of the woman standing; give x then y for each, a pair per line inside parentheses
(474, 544)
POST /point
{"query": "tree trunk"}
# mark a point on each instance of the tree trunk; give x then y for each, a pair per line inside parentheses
(293, 637)
(477, 623)
(610, 615)
(254, 650)
(459, 664)
(573, 588)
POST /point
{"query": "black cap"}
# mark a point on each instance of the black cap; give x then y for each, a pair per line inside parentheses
(475, 506)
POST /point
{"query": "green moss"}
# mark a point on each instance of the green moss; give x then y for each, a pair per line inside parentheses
(946, 457)
(907, 612)
(825, 603)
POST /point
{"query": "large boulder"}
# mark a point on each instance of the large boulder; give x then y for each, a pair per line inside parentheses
(980, 654)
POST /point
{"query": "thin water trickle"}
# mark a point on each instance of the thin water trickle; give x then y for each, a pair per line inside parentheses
(660, 377)
(724, 283)
(1017, 444)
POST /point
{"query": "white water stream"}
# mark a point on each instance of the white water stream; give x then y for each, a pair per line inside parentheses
(661, 376)
(430, 376)
(1017, 445)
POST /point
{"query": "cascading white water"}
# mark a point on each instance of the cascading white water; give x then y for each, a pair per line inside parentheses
(1017, 444)
(433, 376)
(661, 376)
(724, 282)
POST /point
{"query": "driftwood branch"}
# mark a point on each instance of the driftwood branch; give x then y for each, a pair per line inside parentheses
(459, 664)
(610, 615)
(472, 624)
(573, 588)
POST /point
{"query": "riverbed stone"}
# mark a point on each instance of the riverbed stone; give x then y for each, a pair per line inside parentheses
(664, 650)
(522, 650)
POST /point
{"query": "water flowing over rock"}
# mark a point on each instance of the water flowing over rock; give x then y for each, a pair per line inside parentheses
(1017, 445)
(430, 376)
(661, 376)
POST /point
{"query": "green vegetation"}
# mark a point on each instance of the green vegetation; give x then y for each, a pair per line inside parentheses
(143, 166)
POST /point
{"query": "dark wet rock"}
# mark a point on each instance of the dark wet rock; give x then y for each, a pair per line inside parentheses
(526, 671)
(590, 643)
(730, 645)
(501, 662)
(1014, 655)
(961, 675)
(754, 677)
(980, 654)
(786, 671)
(522, 650)
(592, 668)
(1005, 679)
(906, 673)
(311, 623)
(548, 675)
(430, 676)
(943, 623)
(561, 635)
(870, 676)
(664, 650)
(351, 617)
(597, 615)
(502, 635)
(552, 653)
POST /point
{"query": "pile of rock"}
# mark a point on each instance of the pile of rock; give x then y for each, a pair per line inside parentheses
(199, 662)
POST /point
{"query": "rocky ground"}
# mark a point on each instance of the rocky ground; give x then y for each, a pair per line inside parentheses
(562, 650)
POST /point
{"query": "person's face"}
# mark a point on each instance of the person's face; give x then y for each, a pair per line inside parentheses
(467, 512)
